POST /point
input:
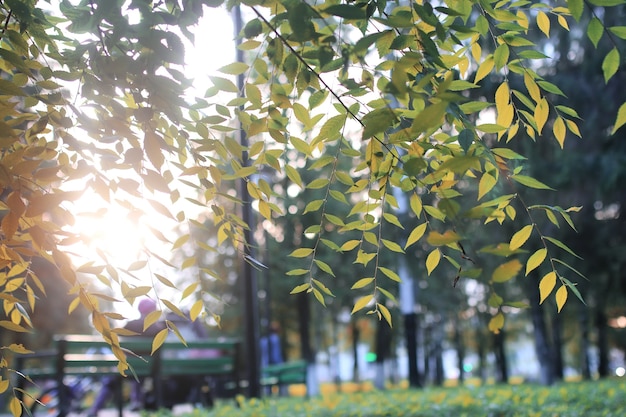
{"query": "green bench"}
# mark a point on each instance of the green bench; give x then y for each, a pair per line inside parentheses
(72, 356)
(284, 374)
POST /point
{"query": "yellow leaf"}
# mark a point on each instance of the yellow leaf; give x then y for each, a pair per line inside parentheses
(543, 21)
(350, 244)
(433, 260)
(158, 340)
(15, 406)
(532, 87)
(438, 239)
(558, 129)
(513, 131)
(573, 127)
(484, 69)
(416, 204)
(536, 259)
(505, 118)
(546, 285)
(563, 22)
(620, 120)
(363, 282)
(561, 297)
(4, 384)
(541, 114)
(477, 52)
(362, 302)
(301, 253)
(196, 309)
(191, 288)
(503, 96)
(301, 288)
(506, 271)
(151, 318)
(486, 183)
(520, 237)
(496, 323)
(385, 312)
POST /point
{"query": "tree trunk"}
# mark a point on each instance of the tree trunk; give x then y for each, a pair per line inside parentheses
(603, 343)
(383, 350)
(307, 352)
(583, 322)
(557, 345)
(500, 352)
(438, 356)
(542, 346)
(410, 333)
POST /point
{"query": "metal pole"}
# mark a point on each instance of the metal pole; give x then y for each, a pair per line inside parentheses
(251, 307)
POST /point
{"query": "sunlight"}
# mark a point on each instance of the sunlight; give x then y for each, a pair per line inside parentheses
(119, 232)
(111, 232)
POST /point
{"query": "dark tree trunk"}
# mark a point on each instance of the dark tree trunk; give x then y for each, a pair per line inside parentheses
(438, 355)
(501, 360)
(304, 316)
(542, 346)
(583, 322)
(383, 351)
(603, 343)
(557, 344)
(410, 333)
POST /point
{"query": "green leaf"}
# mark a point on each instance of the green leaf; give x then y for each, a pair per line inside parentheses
(390, 274)
(610, 64)
(530, 182)
(561, 245)
(429, 118)
(392, 246)
(378, 121)
(501, 56)
(346, 11)
(595, 29)
(10, 89)
(576, 8)
(234, 68)
(619, 31)
(324, 267)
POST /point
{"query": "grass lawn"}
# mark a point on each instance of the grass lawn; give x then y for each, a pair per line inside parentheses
(603, 398)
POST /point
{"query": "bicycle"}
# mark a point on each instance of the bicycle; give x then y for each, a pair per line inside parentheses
(77, 390)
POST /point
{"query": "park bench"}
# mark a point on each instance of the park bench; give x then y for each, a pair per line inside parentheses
(72, 356)
(284, 374)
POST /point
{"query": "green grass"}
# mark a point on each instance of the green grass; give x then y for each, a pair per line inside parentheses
(603, 398)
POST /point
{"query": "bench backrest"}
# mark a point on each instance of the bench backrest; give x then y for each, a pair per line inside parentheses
(85, 354)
